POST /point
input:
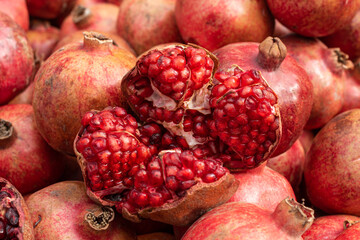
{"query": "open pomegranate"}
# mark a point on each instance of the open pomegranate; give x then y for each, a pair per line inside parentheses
(128, 167)
(15, 220)
(332, 168)
(247, 221)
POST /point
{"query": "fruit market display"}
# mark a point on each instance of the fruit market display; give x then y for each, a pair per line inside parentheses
(179, 119)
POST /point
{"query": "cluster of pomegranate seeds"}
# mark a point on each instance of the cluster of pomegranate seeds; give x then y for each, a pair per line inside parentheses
(245, 116)
(177, 71)
(9, 216)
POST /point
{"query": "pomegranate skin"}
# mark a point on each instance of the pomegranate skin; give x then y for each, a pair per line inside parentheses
(290, 164)
(352, 89)
(263, 187)
(98, 17)
(328, 227)
(347, 38)
(24, 97)
(306, 139)
(289, 81)
(17, 63)
(315, 18)
(334, 187)
(72, 82)
(49, 9)
(247, 221)
(17, 10)
(352, 233)
(145, 24)
(25, 158)
(58, 212)
(213, 24)
(326, 72)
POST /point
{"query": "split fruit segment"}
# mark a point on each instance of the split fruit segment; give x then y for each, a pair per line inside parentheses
(128, 167)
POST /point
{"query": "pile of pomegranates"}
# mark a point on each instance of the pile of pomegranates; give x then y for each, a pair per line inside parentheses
(179, 119)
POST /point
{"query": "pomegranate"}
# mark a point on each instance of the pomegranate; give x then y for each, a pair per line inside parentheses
(75, 79)
(156, 236)
(280, 30)
(25, 158)
(15, 220)
(89, 3)
(263, 187)
(145, 24)
(17, 10)
(351, 233)
(352, 88)
(49, 9)
(316, 18)
(213, 24)
(78, 36)
(24, 97)
(64, 211)
(290, 164)
(247, 221)
(306, 139)
(325, 68)
(287, 79)
(328, 227)
(127, 167)
(347, 38)
(99, 17)
(43, 38)
(17, 61)
(334, 187)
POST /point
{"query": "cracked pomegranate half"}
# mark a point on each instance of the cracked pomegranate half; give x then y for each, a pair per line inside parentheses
(127, 166)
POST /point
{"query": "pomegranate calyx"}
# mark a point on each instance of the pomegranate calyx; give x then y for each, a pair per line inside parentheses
(340, 60)
(95, 40)
(349, 223)
(6, 129)
(81, 16)
(272, 51)
(101, 218)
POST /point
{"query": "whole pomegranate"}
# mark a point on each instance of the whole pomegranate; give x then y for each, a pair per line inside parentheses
(352, 88)
(78, 36)
(25, 158)
(43, 38)
(285, 77)
(64, 211)
(17, 61)
(75, 79)
(347, 38)
(326, 69)
(145, 24)
(247, 221)
(213, 24)
(290, 164)
(17, 10)
(144, 174)
(352, 232)
(328, 227)
(15, 220)
(49, 9)
(316, 18)
(332, 171)
(98, 17)
(306, 139)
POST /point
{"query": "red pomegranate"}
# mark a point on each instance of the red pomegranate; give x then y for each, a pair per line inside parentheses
(78, 36)
(316, 18)
(99, 17)
(49, 9)
(352, 88)
(351, 233)
(43, 38)
(334, 187)
(145, 24)
(17, 10)
(25, 158)
(263, 187)
(347, 38)
(64, 211)
(25, 97)
(15, 220)
(328, 227)
(290, 164)
(326, 69)
(213, 24)
(280, 30)
(75, 79)
(306, 139)
(247, 221)
(17, 61)
(143, 175)
(285, 77)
